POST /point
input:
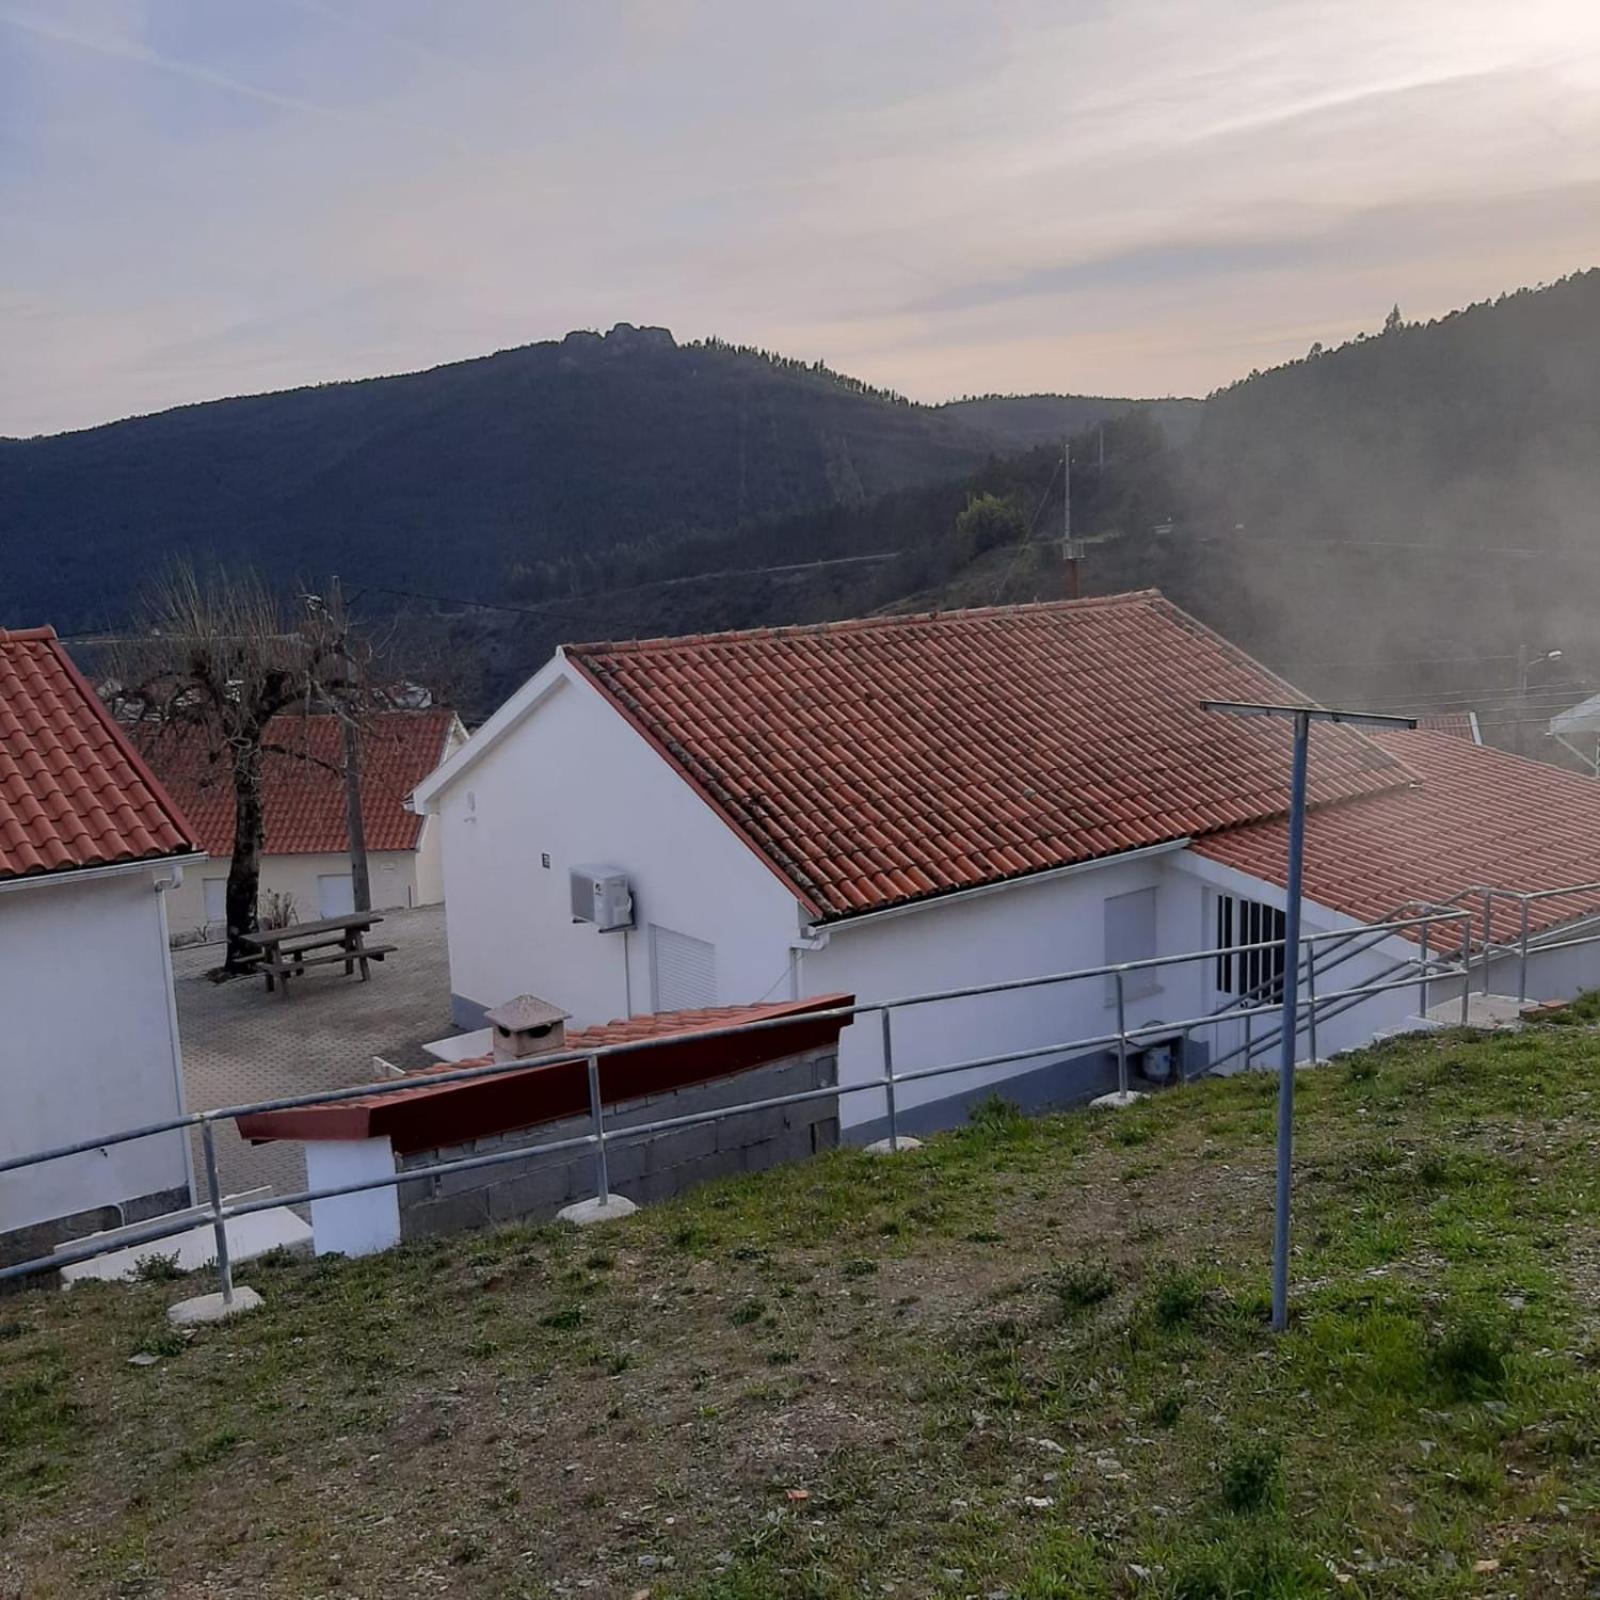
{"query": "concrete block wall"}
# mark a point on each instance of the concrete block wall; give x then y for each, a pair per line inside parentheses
(40, 1238)
(653, 1167)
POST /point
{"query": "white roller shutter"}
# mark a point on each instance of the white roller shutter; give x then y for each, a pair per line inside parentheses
(683, 971)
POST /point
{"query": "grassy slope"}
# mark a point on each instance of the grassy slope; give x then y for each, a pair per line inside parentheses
(1031, 1360)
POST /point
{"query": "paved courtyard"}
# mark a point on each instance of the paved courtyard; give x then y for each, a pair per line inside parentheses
(241, 1043)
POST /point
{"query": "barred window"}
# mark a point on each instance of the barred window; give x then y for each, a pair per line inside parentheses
(1256, 973)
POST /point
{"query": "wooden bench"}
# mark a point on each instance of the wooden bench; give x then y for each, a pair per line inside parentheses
(285, 953)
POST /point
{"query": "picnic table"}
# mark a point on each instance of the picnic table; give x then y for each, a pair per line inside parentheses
(287, 952)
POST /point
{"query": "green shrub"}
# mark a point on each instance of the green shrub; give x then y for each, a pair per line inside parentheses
(1083, 1284)
(1251, 1476)
(995, 1114)
(157, 1268)
(1469, 1358)
(1178, 1301)
(1167, 1410)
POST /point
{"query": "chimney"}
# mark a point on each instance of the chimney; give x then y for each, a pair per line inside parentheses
(527, 1026)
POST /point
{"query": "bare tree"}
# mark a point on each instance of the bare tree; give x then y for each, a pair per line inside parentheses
(216, 659)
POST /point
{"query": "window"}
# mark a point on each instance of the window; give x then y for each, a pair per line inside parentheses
(1257, 973)
(1131, 936)
(683, 971)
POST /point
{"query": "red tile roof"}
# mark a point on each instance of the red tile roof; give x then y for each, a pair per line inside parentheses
(1478, 817)
(451, 1113)
(73, 791)
(1462, 724)
(303, 783)
(898, 758)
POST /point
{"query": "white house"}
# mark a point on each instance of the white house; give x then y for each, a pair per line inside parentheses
(90, 847)
(912, 804)
(305, 859)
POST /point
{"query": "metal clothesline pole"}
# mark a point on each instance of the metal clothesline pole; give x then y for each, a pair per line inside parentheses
(1302, 717)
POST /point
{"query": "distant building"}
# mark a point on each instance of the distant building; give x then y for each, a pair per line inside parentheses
(305, 861)
(1577, 731)
(909, 804)
(91, 848)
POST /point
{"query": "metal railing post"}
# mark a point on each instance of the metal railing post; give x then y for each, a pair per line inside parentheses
(1249, 1041)
(1122, 1038)
(1311, 1002)
(602, 1178)
(219, 1228)
(1522, 962)
(1488, 931)
(888, 1080)
(1423, 986)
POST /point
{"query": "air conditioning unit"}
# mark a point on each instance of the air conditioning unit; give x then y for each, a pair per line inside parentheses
(601, 895)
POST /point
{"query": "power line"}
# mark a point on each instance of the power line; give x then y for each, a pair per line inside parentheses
(567, 606)
(1404, 661)
(539, 608)
(1026, 544)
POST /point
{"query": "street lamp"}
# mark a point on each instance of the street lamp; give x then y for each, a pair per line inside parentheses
(1289, 1025)
(1525, 665)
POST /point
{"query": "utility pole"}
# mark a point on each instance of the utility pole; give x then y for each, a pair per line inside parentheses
(355, 822)
(1526, 662)
(1069, 551)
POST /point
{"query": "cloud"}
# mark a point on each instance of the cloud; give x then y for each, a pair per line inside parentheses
(1146, 195)
(130, 51)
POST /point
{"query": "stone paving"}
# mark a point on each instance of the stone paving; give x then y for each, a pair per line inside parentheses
(241, 1043)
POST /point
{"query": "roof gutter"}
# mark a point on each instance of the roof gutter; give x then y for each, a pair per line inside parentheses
(1026, 880)
(116, 869)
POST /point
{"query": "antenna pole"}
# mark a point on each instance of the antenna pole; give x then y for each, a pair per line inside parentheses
(1069, 551)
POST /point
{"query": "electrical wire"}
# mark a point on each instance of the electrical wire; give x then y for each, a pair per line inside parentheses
(1026, 545)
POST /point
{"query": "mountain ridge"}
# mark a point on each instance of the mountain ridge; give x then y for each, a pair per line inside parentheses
(463, 471)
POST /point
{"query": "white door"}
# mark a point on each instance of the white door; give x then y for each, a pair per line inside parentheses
(683, 971)
(216, 902)
(336, 894)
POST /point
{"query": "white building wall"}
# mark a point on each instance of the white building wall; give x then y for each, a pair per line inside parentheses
(89, 1044)
(1025, 930)
(394, 876)
(575, 784)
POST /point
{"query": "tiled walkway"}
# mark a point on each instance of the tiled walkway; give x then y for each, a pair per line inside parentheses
(241, 1043)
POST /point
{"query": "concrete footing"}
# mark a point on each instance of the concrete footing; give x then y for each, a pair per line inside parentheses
(883, 1147)
(1117, 1100)
(212, 1308)
(585, 1213)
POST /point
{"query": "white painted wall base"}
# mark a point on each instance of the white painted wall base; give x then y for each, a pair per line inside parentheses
(352, 1224)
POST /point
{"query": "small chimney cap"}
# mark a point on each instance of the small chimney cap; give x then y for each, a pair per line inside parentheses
(524, 1012)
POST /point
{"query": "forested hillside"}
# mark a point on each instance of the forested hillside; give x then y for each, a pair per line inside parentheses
(461, 477)
(1038, 419)
(1391, 521)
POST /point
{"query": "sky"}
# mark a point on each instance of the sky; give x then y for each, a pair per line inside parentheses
(209, 197)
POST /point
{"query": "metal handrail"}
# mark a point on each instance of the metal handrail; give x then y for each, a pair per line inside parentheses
(599, 1137)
